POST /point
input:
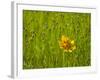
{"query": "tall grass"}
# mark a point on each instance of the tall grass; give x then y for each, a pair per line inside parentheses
(42, 31)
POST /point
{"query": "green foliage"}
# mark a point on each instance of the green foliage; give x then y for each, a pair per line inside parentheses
(42, 31)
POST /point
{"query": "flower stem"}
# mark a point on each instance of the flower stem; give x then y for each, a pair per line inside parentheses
(63, 59)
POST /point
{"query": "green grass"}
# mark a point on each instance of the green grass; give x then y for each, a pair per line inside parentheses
(41, 32)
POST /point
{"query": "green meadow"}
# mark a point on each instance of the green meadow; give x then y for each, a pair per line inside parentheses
(42, 31)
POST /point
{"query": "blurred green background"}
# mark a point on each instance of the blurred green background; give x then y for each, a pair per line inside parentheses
(42, 31)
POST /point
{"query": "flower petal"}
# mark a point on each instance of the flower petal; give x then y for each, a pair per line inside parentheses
(74, 47)
(72, 42)
(70, 50)
(65, 50)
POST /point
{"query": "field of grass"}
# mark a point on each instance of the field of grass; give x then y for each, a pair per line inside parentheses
(42, 31)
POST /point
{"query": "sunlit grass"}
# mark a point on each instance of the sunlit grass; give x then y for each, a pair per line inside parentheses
(42, 32)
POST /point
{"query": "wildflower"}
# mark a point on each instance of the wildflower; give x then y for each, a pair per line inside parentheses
(67, 44)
